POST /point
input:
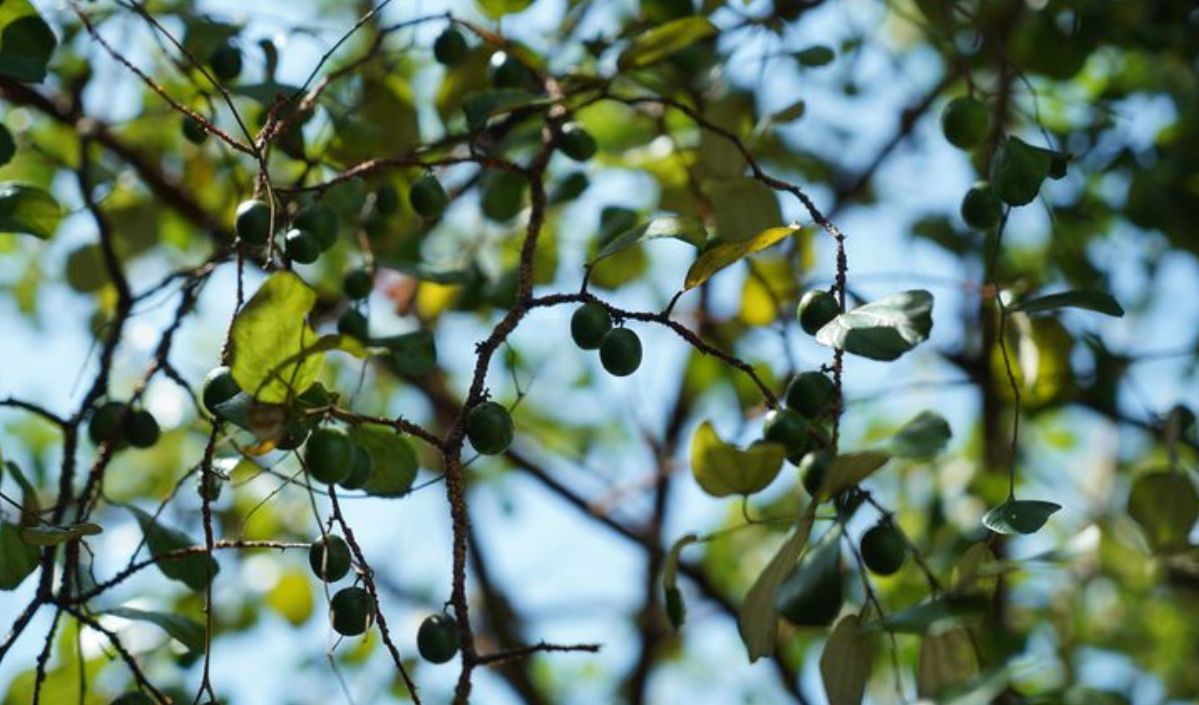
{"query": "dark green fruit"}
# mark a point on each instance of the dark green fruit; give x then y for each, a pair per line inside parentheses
(1059, 164)
(589, 324)
(570, 187)
(847, 502)
(193, 131)
(816, 308)
(507, 71)
(329, 455)
(351, 611)
(813, 468)
(788, 428)
(141, 428)
(225, 61)
(360, 469)
(437, 638)
(813, 593)
(965, 122)
(981, 208)
(218, 388)
(357, 284)
(106, 424)
(503, 196)
(883, 549)
(353, 324)
(301, 246)
(427, 197)
(450, 47)
(810, 393)
(620, 352)
(329, 557)
(387, 200)
(576, 142)
(253, 222)
(321, 221)
(489, 428)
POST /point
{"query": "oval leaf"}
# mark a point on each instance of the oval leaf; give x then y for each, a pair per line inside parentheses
(17, 558)
(394, 460)
(1166, 506)
(722, 469)
(270, 336)
(849, 469)
(1019, 516)
(28, 209)
(682, 228)
(657, 43)
(188, 632)
(845, 662)
(193, 570)
(727, 253)
(1019, 170)
(757, 620)
(945, 660)
(26, 42)
(935, 614)
(1098, 301)
(921, 438)
(883, 329)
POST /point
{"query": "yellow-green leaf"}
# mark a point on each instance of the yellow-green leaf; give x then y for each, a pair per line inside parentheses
(757, 620)
(721, 256)
(945, 660)
(722, 469)
(654, 45)
(1166, 506)
(26, 42)
(292, 597)
(27, 209)
(845, 662)
(849, 469)
(270, 336)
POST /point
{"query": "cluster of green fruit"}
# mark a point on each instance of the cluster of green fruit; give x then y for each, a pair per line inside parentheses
(225, 63)
(314, 229)
(619, 348)
(119, 424)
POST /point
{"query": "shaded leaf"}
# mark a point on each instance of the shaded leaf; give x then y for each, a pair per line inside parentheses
(945, 660)
(723, 255)
(1019, 516)
(27, 209)
(1019, 170)
(757, 620)
(1098, 301)
(269, 336)
(816, 55)
(722, 469)
(394, 460)
(54, 535)
(480, 106)
(683, 228)
(187, 631)
(676, 610)
(845, 662)
(26, 42)
(849, 469)
(413, 354)
(193, 570)
(291, 597)
(742, 206)
(1166, 506)
(883, 329)
(498, 8)
(948, 609)
(920, 438)
(657, 43)
(17, 558)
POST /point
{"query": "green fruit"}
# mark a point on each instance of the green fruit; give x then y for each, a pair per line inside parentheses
(847, 502)
(965, 122)
(225, 61)
(503, 196)
(301, 246)
(437, 638)
(813, 593)
(253, 222)
(570, 187)
(576, 142)
(353, 324)
(816, 308)
(450, 47)
(218, 387)
(360, 469)
(788, 428)
(810, 393)
(588, 325)
(1059, 164)
(329, 455)
(141, 428)
(387, 200)
(352, 611)
(507, 71)
(357, 284)
(329, 557)
(427, 197)
(489, 428)
(321, 221)
(193, 131)
(883, 549)
(107, 423)
(620, 352)
(813, 468)
(981, 208)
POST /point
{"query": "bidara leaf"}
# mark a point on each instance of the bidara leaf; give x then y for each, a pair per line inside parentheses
(187, 631)
(17, 558)
(657, 43)
(883, 329)
(193, 570)
(1166, 506)
(1019, 170)
(676, 610)
(30, 507)
(26, 42)
(270, 335)
(1098, 301)
(498, 8)
(757, 620)
(946, 659)
(393, 459)
(481, 106)
(1019, 516)
(54, 535)
(848, 469)
(948, 609)
(27, 209)
(725, 254)
(846, 660)
(920, 438)
(682, 228)
(722, 469)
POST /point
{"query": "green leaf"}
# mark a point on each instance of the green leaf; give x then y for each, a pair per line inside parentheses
(291, 597)
(742, 206)
(848, 469)
(1166, 506)
(946, 660)
(269, 336)
(186, 631)
(394, 460)
(264, 93)
(676, 610)
(722, 469)
(27, 209)
(949, 608)
(436, 273)
(757, 620)
(498, 8)
(1019, 516)
(30, 506)
(721, 256)
(883, 329)
(814, 56)
(26, 42)
(791, 113)
(921, 438)
(413, 354)
(54, 535)
(683, 228)
(1019, 170)
(846, 660)
(481, 106)
(658, 43)
(384, 121)
(193, 570)
(1098, 301)
(17, 558)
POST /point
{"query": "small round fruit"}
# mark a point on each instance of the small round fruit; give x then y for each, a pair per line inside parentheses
(812, 595)
(507, 71)
(965, 122)
(437, 638)
(106, 426)
(813, 468)
(387, 201)
(193, 131)
(427, 197)
(450, 47)
(788, 428)
(253, 222)
(357, 284)
(329, 557)
(883, 549)
(1059, 164)
(351, 611)
(301, 246)
(321, 221)
(810, 393)
(218, 388)
(620, 352)
(981, 208)
(329, 455)
(577, 143)
(353, 324)
(816, 308)
(141, 428)
(225, 61)
(360, 469)
(489, 428)
(588, 325)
